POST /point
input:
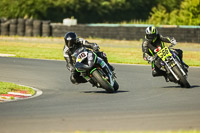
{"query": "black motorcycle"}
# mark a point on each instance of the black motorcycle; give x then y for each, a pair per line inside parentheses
(95, 70)
(167, 60)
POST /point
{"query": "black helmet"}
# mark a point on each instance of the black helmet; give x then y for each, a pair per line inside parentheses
(70, 39)
(151, 33)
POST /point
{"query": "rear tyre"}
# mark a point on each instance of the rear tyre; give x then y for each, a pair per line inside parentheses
(183, 81)
(103, 82)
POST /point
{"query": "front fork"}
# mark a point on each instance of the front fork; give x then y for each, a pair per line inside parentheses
(179, 67)
(170, 69)
(176, 64)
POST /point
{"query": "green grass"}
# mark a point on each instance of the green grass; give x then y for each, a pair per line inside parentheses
(28, 49)
(6, 87)
(118, 51)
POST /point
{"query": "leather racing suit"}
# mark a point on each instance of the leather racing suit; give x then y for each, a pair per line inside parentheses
(149, 48)
(67, 53)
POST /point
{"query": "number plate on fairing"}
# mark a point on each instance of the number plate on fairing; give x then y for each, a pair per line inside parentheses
(164, 53)
(81, 56)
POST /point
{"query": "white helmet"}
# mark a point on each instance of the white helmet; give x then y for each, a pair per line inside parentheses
(151, 33)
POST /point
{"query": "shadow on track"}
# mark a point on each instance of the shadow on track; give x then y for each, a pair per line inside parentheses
(193, 86)
(104, 92)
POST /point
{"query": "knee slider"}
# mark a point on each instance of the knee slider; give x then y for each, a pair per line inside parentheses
(154, 73)
(73, 80)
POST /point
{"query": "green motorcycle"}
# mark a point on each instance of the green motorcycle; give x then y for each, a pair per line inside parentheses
(95, 70)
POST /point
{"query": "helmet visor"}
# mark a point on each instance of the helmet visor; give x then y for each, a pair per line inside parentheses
(151, 36)
(70, 42)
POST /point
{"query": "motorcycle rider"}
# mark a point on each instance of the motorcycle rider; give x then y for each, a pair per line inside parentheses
(72, 43)
(152, 43)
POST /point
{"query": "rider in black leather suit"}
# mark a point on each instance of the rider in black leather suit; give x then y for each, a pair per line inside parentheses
(72, 43)
(152, 44)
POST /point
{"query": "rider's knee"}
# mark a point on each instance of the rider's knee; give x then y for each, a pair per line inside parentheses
(73, 79)
(154, 73)
(76, 79)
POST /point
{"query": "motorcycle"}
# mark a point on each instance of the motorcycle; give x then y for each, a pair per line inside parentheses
(95, 70)
(167, 60)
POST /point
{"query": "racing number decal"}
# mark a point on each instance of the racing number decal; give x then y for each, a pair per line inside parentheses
(164, 53)
(81, 56)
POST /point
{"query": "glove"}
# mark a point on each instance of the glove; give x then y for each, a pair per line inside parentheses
(157, 49)
(173, 42)
(81, 40)
(96, 47)
(150, 59)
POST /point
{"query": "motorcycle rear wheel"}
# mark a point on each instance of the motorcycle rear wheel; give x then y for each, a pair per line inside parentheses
(103, 82)
(116, 86)
(182, 79)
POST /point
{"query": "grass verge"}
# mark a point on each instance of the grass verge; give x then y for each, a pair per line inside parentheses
(118, 51)
(6, 87)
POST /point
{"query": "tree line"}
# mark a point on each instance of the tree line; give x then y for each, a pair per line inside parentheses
(176, 12)
(181, 12)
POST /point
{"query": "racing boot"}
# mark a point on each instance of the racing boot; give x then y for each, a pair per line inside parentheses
(166, 77)
(185, 67)
(104, 57)
(111, 67)
(93, 83)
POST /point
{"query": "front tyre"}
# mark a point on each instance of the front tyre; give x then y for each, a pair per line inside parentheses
(102, 81)
(182, 79)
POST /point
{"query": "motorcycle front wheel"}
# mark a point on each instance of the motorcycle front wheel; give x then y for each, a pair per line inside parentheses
(182, 79)
(102, 81)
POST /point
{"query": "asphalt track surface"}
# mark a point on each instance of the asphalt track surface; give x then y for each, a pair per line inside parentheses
(143, 103)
